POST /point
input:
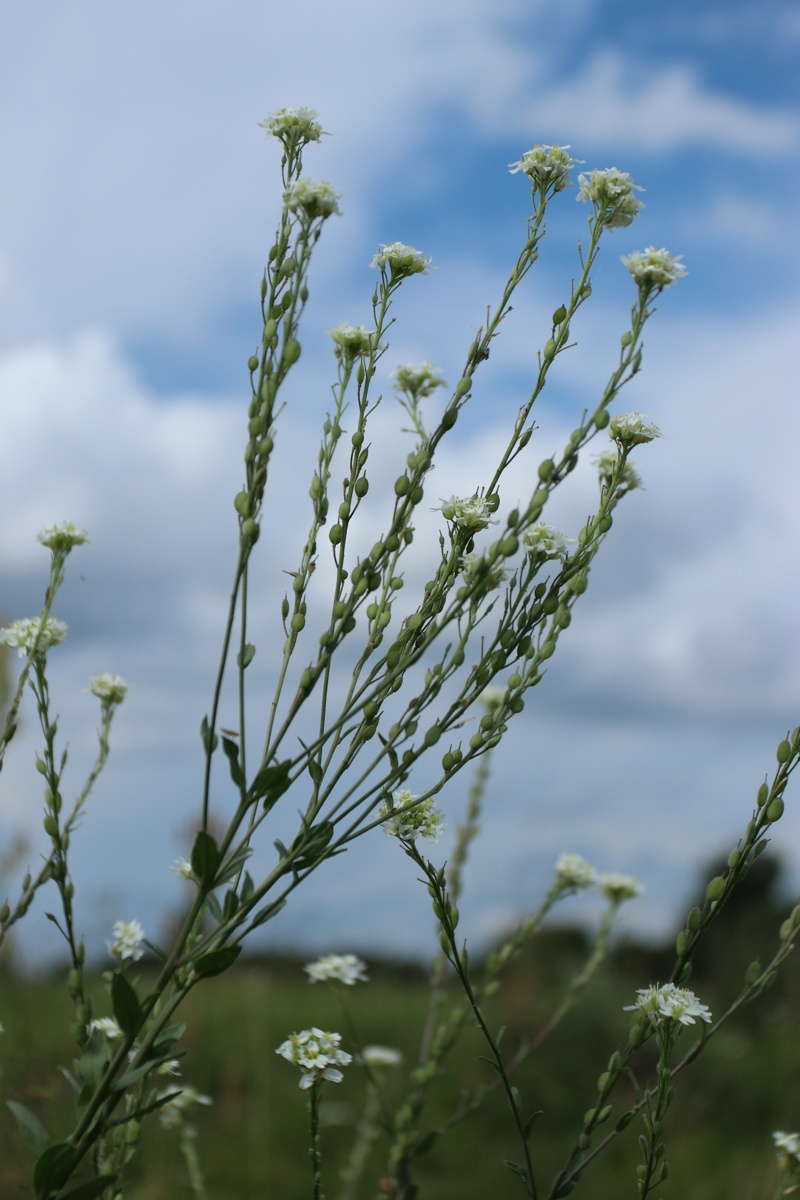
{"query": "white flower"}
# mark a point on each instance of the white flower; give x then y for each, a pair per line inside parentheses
(380, 1056)
(546, 166)
(632, 429)
(619, 887)
(128, 941)
(183, 868)
(542, 540)
(788, 1147)
(170, 1066)
(343, 968)
(171, 1113)
(107, 1026)
(417, 379)
(472, 513)
(574, 873)
(401, 260)
(611, 193)
(315, 198)
(350, 341)
(654, 268)
(492, 696)
(318, 1053)
(607, 463)
(293, 125)
(408, 817)
(112, 689)
(62, 536)
(667, 1002)
(476, 567)
(22, 634)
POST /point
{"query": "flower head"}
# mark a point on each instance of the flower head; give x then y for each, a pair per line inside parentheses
(107, 1026)
(128, 941)
(574, 874)
(23, 634)
(183, 868)
(542, 541)
(408, 817)
(632, 429)
(172, 1112)
(611, 194)
(618, 887)
(607, 463)
(110, 689)
(546, 167)
(477, 567)
(472, 513)
(62, 536)
(788, 1148)
(666, 1002)
(313, 197)
(417, 380)
(350, 341)
(341, 968)
(402, 260)
(653, 268)
(318, 1053)
(380, 1056)
(294, 126)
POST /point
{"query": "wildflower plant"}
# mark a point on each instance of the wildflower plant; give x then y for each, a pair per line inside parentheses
(434, 680)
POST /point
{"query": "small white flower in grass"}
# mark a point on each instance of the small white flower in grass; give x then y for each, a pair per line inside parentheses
(22, 634)
(107, 1026)
(341, 968)
(787, 1146)
(541, 540)
(62, 536)
(296, 125)
(128, 941)
(574, 873)
(607, 463)
(417, 380)
(111, 689)
(546, 167)
(380, 1056)
(350, 341)
(654, 268)
(318, 1053)
(619, 887)
(632, 429)
(667, 1002)
(402, 260)
(472, 513)
(183, 868)
(172, 1113)
(408, 817)
(314, 197)
(611, 193)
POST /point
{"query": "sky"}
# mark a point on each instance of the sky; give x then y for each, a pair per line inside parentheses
(138, 200)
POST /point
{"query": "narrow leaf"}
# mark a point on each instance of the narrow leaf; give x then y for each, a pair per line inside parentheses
(209, 739)
(216, 962)
(232, 754)
(266, 914)
(517, 1169)
(271, 783)
(94, 1056)
(127, 1009)
(315, 771)
(233, 865)
(205, 858)
(53, 1169)
(88, 1191)
(37, 1139)
(246, 656)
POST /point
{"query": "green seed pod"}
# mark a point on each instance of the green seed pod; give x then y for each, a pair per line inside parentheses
(516, 704)
(626, 339)
(546, 470)
(588, 1117)
(601, 418)
(242, 503)
(753, 972)
(549, 351)
(775, 810)
(5, 913)
(344, 511)
(636, 1035)
(615, 1062)
(416, 494)
(297, 623)
(402, 485)
(50, 825)
(303, 294)
(448, 762)
(464, 385)
(288, 267)
(559, 315)
(763, 795)
(335, 534)
(476, 741)
(509, 545)
(449, 418)
(361, 487)
(349, 625)
(784, 752)
(250, 531)
(693, 919)
(252, 363)
(550, 605)
(682, 943)
(291, 351)
(547, 649)
(715, 888)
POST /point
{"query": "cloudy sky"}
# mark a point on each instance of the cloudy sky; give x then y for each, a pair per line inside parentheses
(138, 200)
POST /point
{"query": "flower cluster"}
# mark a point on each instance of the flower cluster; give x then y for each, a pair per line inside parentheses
(172, 1112)
(632, 429)
(574, 873)
(318, 1053)
(62, 536)
(295, 126)
(417, 380)
(128, 941)
(402, 260)
(618, 887)
(475, 567)
(107, 1026)
(22, 634)
(653, 268)
(314, 197)
(110, 689)
(340, 968)
(380, 1056)
(546, 167)
(408, 817)
(350, 341)
(611, 193)
(542, 541)
(607, 464)
(667, 1002)
(183, 868)
(788, 1148)
(472, 513)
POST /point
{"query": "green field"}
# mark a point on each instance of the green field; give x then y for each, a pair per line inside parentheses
(252, 1141)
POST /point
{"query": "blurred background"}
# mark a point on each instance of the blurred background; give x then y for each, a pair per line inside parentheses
(138, 200)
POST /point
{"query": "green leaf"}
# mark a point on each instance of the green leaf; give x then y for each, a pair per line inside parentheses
(245, 656)
(248, 887)
(93, 1060)
(37, 1139)
(312, 843)
(518, 1170)
(215, 907)
(216, 962)
(315, 771)
(232, 754)
(271, 783)
(135, 1073)
(233, 865)
(230, 905)
(168, 1037)
(267, 913)
(53, 1169)
(529, 1124)
(393, 759)
(209, 739)
(88, 1191)
(125, 1004)
(205, 858)
(425, 1143)
(159, 953)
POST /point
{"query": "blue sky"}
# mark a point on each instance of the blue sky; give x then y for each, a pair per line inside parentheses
(138, 200)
